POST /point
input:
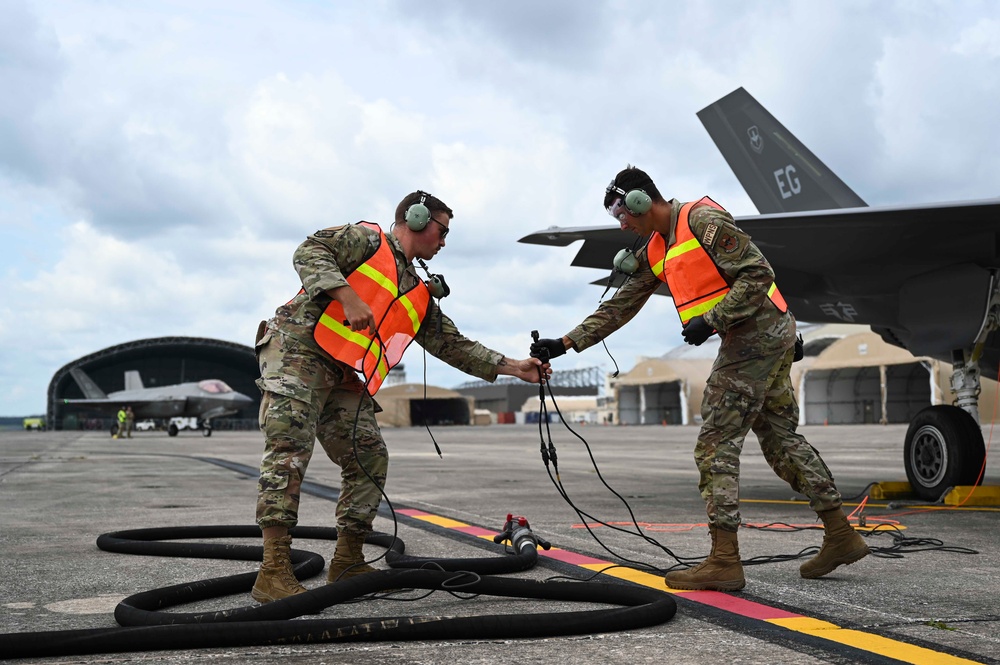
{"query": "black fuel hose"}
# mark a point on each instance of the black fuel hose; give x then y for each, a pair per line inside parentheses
(147, 629)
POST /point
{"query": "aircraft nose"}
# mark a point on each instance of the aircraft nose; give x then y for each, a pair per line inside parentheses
(240, 398)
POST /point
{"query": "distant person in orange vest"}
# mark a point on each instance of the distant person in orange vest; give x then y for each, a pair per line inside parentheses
(324, 355)
(720, 282)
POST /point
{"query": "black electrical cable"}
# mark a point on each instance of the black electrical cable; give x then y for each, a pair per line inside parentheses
(902, 545)
(549, 453)
(145, 629)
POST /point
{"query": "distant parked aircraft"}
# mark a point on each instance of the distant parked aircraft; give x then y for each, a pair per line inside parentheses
(204, 400)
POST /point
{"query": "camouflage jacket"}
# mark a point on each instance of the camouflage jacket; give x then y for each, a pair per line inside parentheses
(748, 322)
(325, 259)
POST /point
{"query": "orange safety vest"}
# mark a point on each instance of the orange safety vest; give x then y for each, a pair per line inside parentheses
(696, 283)
(398, 315)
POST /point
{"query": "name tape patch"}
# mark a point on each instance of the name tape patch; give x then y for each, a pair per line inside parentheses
(709, 236)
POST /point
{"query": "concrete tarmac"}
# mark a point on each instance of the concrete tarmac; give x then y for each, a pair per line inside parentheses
(933, 600)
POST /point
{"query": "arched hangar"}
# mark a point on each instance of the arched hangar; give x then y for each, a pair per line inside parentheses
(160, 361)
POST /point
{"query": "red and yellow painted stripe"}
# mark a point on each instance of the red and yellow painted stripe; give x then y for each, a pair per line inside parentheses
(876, 644)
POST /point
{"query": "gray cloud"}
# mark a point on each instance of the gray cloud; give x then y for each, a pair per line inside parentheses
(31, 67)
(167, 158)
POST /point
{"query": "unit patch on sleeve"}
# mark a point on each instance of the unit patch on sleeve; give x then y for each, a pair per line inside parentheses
(709, 236)
(325, 233)
(729, 243)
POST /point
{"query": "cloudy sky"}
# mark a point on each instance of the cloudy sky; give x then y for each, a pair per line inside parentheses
(160, 161)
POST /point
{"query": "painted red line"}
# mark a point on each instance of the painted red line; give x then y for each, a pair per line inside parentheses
(723, 601)
(740, 606)
(411, 512)
(572, 557)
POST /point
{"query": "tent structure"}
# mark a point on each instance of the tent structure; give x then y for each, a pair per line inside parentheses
(862, 379)
(668, 389)
(654, 392)
(410, 404)
(573, 409)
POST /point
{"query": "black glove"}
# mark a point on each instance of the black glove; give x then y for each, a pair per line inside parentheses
(697, 331)
(546, 349)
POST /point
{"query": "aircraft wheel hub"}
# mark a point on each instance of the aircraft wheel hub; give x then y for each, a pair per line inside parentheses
(930, 455)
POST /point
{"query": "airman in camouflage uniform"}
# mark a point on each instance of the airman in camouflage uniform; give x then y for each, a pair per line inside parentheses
(748, 388)
(310, 395)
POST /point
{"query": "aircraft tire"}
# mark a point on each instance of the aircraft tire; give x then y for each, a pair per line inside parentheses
(206, 431)
(172, 430)
(944, 447)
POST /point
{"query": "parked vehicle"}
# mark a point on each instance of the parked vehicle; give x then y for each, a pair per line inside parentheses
(34, 424)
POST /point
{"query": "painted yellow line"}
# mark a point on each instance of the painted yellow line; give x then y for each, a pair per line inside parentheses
(734, 603)
(446, 522)
(883, 646)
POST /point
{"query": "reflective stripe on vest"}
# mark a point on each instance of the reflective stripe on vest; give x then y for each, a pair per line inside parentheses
(398, 317)
(696, 283)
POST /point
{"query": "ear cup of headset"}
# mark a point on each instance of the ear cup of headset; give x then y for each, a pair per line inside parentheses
(638, 202)
(626, 262)
(417, 216)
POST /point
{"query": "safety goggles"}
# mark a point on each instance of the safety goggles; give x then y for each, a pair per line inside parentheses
(617, 208)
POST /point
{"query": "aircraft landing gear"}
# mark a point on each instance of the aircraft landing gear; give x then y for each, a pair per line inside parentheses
(944, 447)
(944, 444)
(205, 425)
(172, 429)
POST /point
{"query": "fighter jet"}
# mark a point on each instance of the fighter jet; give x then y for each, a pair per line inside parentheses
(924, 277)
(204, 400)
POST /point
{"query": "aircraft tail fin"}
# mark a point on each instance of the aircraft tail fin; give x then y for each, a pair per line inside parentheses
(777, 171)
(87, 385)
(133, 380)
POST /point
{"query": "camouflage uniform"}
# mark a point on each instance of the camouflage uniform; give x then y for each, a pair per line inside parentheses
(309, 395)
(749, 387)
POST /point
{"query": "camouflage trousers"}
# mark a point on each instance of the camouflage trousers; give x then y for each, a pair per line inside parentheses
(755, 394)
(307, 398)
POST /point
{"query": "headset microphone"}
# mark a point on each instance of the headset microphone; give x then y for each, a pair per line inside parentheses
(435, 283)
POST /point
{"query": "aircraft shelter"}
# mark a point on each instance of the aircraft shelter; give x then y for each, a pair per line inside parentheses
(849, 376)
(861, 379)
(160, 361)
(507, 395)
(409, 404)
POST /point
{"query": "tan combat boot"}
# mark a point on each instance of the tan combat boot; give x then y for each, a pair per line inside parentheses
(842, 545)
(348, 553)
(276, 580)
(721, 571)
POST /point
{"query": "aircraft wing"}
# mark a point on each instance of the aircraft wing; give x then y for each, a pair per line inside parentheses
(143, 407)
(919, 275)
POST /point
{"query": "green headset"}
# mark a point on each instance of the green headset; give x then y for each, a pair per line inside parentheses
(626, 261)
(636, 202)
(418, 215)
